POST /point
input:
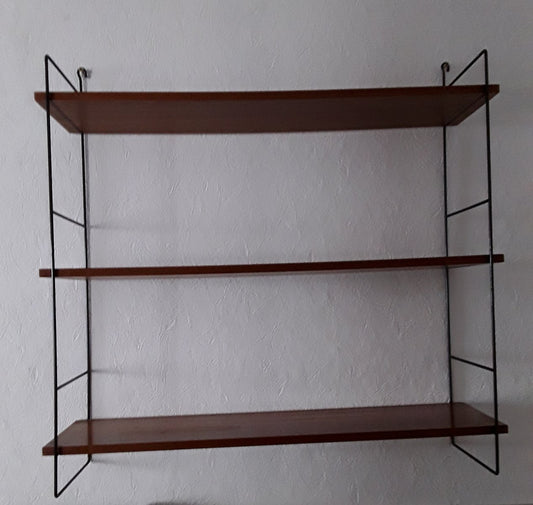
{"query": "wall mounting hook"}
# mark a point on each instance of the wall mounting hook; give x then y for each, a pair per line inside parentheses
(84, 72)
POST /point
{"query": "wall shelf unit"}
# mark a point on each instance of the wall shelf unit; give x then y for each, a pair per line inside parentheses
(84, 113)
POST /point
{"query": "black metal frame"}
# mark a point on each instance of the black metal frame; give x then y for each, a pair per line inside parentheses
(445, 67)
(81, 74)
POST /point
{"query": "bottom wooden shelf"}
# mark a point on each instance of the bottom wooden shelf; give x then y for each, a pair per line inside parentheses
(272, 428)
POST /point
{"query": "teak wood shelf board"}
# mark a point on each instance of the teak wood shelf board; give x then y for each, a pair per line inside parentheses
(265, 111)
(272, 428)
(273, 268)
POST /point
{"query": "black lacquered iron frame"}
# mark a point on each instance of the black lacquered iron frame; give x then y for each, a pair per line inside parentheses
(53, 214)
(492, 368)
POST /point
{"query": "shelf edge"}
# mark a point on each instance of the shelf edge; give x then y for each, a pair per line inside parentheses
(273, 268)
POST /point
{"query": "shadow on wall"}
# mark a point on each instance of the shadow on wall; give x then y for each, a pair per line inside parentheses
(175, 503)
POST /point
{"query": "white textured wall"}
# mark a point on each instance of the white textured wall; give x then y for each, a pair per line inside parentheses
(233, 344)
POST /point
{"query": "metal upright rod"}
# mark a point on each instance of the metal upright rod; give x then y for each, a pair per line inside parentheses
(53, 266)
(491, 265)
(445, 67)
(82, 73)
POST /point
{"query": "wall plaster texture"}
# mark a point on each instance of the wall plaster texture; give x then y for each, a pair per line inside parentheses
(257, 343)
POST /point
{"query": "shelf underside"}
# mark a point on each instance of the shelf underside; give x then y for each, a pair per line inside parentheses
(272, 428)
(273, 268)
(265, 111)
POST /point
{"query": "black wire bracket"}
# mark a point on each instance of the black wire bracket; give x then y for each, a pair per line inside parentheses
(445, 67)
(82, 74)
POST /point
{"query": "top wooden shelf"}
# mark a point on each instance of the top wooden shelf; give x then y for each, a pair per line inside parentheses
(265, 111)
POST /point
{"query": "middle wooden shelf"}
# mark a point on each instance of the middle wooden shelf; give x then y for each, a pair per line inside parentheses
(274, 268)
